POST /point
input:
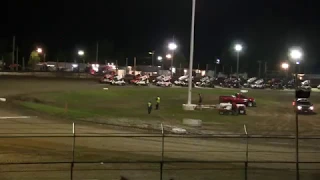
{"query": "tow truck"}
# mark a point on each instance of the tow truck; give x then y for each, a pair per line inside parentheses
(238, 98)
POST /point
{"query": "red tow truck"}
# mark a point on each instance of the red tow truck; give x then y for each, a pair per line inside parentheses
(238, 98)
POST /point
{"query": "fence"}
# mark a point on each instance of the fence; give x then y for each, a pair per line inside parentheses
(85, 154)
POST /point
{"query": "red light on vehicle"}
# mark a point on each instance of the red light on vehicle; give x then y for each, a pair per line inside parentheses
(293, 103)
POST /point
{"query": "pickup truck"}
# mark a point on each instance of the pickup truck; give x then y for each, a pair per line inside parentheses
(239, 99)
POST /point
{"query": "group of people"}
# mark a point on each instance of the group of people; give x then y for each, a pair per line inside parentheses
(157, 105)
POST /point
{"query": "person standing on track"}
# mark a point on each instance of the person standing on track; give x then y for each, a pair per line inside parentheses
(149, 107)
(157, 102)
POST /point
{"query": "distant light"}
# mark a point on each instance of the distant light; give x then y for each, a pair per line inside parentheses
(185, 71)
(295, 54)
(80, 53)
(159, 66)
(39, 50)
(172, 46)
(238, 47)
(285, 66)
(173, 70)
(203, 73)
(151, 52)
(168, 56)
(75, 65)
(297, 62)
(160, 58)
(218, 61)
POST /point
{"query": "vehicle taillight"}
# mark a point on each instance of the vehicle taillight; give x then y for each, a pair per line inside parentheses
(293, 103)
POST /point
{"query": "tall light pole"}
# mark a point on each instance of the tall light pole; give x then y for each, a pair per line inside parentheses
(40, 51)
(172, 47)
(296, 55)
(191, 52)
(81, 53)
(215, 67)
(152, 56)
(238, 49)
(285, 67)
(160, 60)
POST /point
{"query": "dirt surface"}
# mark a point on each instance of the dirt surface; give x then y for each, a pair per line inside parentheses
(41, 139)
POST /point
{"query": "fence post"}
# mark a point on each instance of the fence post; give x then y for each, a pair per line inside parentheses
(247, 153)
(73, 145)
(162, 152)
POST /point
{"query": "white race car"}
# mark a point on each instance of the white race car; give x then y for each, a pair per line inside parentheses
(142, 83)
(164, 83)
(318, 87)
(120, 82)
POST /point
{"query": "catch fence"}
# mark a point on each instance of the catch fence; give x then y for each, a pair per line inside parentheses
(84, 154)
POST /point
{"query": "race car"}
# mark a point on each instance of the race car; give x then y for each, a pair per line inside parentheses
(142, 82)
(108, 78)
(226, 109)
(118, 81)
(164, 83)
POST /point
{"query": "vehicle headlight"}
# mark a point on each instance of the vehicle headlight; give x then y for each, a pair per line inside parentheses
(311, 108)
(299, 107)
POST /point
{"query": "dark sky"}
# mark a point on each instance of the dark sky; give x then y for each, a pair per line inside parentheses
(267, 28)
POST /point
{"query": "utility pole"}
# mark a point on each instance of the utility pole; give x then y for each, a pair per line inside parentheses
(97, 53)
(238, 64)
(231, 70)
(215, 70)
(13, 49)
(126, 62)
(265, 68)
(134, 64)
(17, 59)
(23, 65)
(207, 67)
(259, 74)
(198, 66)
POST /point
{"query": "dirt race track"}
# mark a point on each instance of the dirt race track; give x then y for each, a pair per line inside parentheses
(105, 152)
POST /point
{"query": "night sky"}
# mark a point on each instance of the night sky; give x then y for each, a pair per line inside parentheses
(267, 28)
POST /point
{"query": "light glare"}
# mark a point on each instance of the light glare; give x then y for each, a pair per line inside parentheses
(172, 46)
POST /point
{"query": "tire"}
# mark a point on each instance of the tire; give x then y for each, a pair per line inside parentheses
(250, 104)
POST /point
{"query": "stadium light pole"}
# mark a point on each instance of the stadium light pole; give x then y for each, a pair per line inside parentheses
(172, 47)
(296, 55)
(40, 51)
(152, 56)
(160, 60)
(285, 67)
(191, 54)
(238, 49)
